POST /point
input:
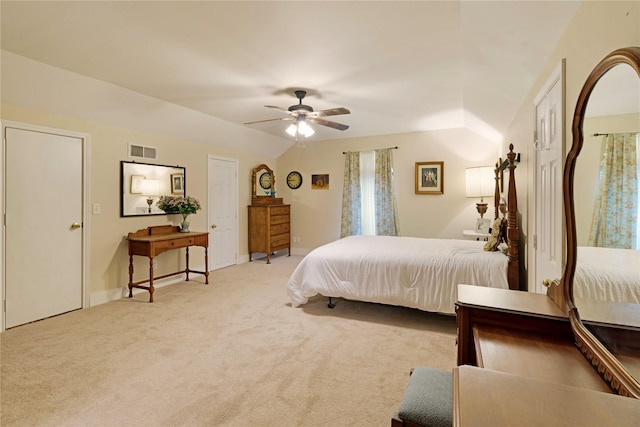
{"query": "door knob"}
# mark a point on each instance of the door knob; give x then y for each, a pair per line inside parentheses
(548, 282)
(213, 226)
(75, 225)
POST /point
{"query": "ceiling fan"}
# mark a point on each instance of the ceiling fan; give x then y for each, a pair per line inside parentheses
(301, 114)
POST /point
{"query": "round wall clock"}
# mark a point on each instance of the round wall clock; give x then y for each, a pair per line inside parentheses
(265, 180)
(294, 180)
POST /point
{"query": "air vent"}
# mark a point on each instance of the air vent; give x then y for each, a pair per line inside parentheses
(142, 152)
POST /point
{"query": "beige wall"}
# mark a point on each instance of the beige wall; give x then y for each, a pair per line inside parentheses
(597, 29)
(315, 214)
(108, 258)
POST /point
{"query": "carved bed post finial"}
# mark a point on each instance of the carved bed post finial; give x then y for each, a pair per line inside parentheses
(513, 233)
(496, 192)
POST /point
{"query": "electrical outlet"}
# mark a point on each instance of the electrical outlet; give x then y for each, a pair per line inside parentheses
(155, 263)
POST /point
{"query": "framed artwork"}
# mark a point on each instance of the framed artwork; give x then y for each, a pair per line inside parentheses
(135, 183)
(320, 182)
(177, 183)
(429, 177)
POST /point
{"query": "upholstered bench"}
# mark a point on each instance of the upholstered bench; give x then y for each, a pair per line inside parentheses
(427, 400)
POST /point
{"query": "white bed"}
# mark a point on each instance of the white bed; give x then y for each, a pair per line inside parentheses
(411, 271)
(405, 271)
(607, 274)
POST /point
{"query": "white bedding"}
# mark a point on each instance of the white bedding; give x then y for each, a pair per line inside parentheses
(405, 271)
(607, 274)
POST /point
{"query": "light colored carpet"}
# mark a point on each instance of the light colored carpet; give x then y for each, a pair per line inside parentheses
(233, 353)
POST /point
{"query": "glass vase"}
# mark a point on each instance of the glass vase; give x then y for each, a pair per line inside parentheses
(184, 225)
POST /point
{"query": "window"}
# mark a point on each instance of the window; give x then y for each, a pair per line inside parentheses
(368, 200)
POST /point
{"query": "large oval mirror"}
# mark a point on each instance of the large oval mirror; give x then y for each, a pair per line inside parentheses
(602, 199)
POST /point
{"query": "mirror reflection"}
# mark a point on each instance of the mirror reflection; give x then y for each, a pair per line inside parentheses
(263, 181)
(141, 184)
(607, 201)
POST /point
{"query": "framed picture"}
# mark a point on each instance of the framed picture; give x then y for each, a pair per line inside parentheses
(320, 182)
(135, 184)
(429, 177)
(483, 225)
(177, 183)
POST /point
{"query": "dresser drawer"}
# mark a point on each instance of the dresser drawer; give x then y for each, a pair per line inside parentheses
(279, 219)
(280, 240)
(280, 228)
(280, 210)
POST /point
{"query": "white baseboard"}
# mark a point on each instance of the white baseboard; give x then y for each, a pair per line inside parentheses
(103, 297)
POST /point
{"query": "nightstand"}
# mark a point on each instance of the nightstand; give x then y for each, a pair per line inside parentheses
(472, 234)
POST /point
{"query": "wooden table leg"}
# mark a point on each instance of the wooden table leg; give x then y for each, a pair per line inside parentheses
(151, 289)
(187, 258)
(130, 275)
(206, 265)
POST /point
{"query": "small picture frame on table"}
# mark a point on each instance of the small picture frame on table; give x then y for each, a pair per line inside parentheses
(483, 225)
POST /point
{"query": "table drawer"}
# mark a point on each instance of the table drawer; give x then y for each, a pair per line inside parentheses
(281, 239)
(180, 243)
(280, 228)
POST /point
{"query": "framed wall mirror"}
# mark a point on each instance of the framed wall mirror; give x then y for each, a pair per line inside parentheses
(602, 202)
(141, 184)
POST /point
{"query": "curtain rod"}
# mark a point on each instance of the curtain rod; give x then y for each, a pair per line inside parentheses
(390, 148)
(611, 133)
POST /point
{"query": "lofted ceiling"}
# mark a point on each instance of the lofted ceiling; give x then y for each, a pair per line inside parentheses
(398, 66)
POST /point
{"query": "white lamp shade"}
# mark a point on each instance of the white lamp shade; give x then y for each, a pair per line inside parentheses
(149, 187)
(300, 128)
(480, 181)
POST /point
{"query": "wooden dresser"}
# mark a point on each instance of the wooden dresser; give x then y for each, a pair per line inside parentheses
(269, 227)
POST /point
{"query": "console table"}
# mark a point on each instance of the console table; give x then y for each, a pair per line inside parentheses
(152, 241)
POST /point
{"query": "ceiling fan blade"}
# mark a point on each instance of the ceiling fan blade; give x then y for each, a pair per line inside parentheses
(323, 122)
(330, 112)
(269, 120)
(282, 110)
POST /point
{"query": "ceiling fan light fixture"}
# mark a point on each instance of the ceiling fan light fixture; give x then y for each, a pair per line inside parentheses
(292, 130)
(300, 128)
(305, 129)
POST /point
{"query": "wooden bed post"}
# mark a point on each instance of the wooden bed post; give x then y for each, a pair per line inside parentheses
(513, 233)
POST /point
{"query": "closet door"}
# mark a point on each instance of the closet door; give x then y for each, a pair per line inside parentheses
(223, 211)
(44, 234)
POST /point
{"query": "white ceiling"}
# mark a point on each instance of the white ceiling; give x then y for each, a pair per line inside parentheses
(398, 66)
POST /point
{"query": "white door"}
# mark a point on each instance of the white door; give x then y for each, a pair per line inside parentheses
(549, 155)
(223, 212)
(43, 225)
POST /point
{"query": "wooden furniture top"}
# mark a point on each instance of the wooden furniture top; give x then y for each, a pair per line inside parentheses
(506, 300)
(532, 354)
(483, 397)
(161, 232)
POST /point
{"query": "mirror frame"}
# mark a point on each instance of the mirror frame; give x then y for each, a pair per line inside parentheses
(612, 371)
(123, 214)
(254, 179)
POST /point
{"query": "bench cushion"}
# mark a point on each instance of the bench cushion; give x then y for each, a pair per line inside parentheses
(427, 400)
